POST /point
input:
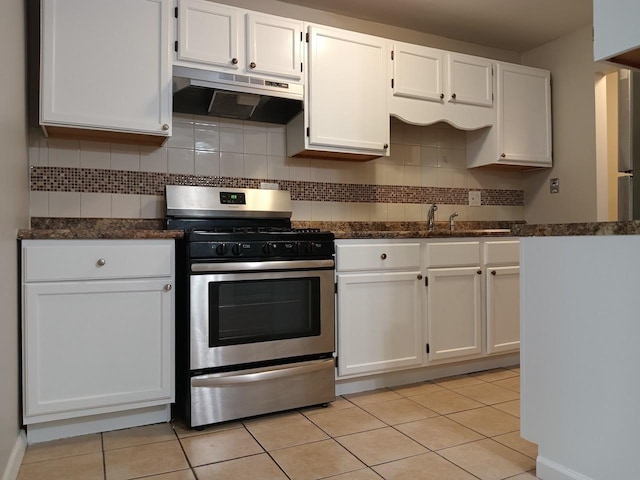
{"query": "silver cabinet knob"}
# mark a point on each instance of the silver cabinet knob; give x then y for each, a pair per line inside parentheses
(493, 272)
(385, 146)
(419, 277)
(101, 262)
(165, 127)
(383, 256)
(441, 96)
(479, 272)
(453, 95)
(168, 287)
(252, 65)
(503, 155)
(234, 61)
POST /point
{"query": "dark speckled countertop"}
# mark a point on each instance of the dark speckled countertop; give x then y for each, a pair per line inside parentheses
(574, 229)
(114, 228)
(96, 228)
(346, 230)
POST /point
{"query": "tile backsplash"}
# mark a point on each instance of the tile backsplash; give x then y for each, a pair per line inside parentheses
(85, 179)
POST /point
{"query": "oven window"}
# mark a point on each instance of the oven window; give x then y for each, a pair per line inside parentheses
(251, 311)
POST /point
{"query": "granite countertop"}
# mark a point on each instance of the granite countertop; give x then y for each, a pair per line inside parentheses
(96, 228)
(575, 229)
(373, 230)
(113, 228)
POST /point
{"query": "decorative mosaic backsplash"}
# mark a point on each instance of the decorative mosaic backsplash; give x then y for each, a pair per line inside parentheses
(427, 165)
(88, 180)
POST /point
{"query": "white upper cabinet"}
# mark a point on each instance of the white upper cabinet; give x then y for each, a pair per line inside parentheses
(345, 98)
(524, 115)
(274, 45)
(431, 85)
(470, 80)
(219, 37)
(418, 72)
(209, 33)
(105, 67)
(616, 36)
(522, 135)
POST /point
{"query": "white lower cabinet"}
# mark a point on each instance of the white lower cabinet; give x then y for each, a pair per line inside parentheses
(453, 313)
(98, 334)
(455, 299)
(502, 288)
(378, 308)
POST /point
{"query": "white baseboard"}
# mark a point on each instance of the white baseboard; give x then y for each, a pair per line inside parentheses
(43, 432)
(15, 459)
(549, 470)
(345, 386)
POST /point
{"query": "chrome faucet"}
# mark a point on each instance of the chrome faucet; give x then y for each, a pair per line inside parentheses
(431, 217)
(451, 217)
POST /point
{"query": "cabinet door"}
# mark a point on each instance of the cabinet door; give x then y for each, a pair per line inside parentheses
(274, 46)
(105, 65)
(209, 33)
(524, 115)
(96, 347)
(503, 309)
(417, 72)
(453, 312)
(470, 80)
(347, 104)
(378, 322)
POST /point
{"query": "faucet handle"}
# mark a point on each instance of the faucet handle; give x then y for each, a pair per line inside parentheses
(451, 223)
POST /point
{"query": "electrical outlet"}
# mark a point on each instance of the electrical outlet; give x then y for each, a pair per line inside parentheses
(269, 186)
(474, 198)
(554, 185)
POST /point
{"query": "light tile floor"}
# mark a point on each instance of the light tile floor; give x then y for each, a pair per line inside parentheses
(458, 428)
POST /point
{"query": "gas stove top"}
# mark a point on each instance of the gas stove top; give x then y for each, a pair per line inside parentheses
(231, 224)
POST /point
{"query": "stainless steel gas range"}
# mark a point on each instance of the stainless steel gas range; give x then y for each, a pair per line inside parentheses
(255, 305)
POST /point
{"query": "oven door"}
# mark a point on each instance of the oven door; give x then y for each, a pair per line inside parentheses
(246, 312)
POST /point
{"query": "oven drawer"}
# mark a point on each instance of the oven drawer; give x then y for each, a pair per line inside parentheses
(229, 396)
(381, 256)
(60, 260)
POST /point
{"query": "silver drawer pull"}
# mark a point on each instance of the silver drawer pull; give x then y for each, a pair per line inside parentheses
(101, 262)
(168, 287)
(383, 256)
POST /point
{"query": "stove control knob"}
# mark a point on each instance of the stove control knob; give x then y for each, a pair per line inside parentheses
(268, 248)
(237, 249)
(295, 248)
(308, 248)
(221, 249)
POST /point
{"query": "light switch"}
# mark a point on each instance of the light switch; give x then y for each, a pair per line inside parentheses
(474, 198)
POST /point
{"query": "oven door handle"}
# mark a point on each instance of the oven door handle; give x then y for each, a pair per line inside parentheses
(262, 375)
(261, 266)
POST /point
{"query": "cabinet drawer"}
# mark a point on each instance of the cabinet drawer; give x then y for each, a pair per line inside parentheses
(453, 254)
(377, 257)
(502, 252)
(53, 260)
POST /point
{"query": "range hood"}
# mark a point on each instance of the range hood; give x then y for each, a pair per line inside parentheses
(229, 95)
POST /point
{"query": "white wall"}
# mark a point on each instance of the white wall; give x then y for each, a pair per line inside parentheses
(13, 214)
(573, 70)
